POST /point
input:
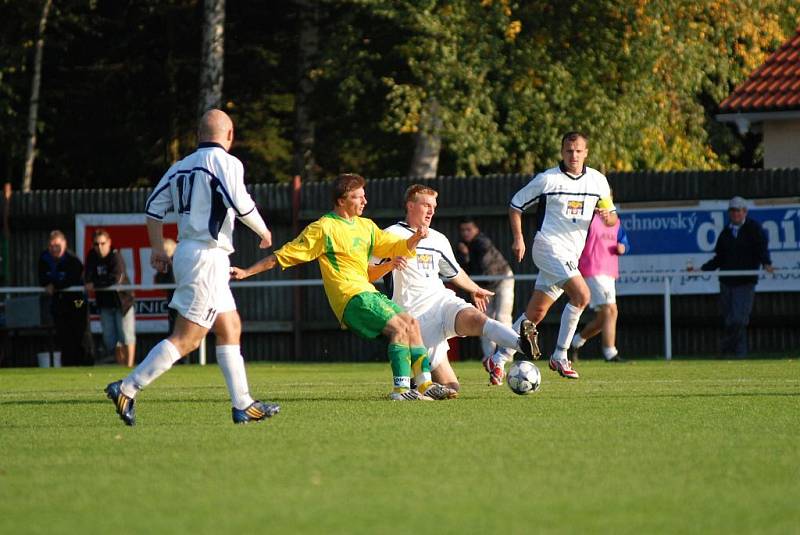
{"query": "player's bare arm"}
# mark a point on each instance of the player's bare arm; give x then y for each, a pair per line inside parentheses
(420, 234)
(159, 258)
(480, 296)
(518, 243)
(266, 240)
(608, 217)
(265, 264)
(376, 272)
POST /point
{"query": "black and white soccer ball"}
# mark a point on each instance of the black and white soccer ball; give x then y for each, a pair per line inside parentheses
(523, 377)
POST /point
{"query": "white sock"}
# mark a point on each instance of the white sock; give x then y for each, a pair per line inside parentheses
(569, 322)
(577, 341)
(231, 363)
(158, 360)
(423, 379)
(506, 353)
(610, 352)
(502, 355)
(518, 322)
(501, 334)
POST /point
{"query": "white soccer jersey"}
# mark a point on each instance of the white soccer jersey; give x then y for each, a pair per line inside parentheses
(206, 190)
(566, 206)
(415, 285)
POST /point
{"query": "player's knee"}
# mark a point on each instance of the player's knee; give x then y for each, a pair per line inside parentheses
(411, 326)
(400, 331)
(470, 322)
(580, 300)
(476, 318)
(229, 336)
(228, 328)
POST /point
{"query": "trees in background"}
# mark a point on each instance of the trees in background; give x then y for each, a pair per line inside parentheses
(33, 105)
(212, 63)
(382, 87)
(304, 161)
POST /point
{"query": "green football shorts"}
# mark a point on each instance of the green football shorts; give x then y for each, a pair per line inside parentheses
(367, 313)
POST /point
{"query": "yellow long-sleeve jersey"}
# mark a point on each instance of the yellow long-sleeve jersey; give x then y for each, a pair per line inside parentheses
(343, 249)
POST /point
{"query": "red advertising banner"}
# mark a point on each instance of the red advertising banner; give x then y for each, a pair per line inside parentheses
(129, 235)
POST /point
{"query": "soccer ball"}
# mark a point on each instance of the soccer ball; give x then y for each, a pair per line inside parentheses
(523, 377)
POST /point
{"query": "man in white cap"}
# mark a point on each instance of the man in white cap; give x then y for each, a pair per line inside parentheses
(742, 245)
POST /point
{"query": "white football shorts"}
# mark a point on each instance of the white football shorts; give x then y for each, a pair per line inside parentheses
(438, 323)
(603, 289)
(555, 268)
(201, 276)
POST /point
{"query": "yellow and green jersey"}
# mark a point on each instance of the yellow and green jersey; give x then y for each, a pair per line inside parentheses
(343, 248)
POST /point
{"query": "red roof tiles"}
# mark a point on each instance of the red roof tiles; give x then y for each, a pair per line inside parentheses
(775, 86)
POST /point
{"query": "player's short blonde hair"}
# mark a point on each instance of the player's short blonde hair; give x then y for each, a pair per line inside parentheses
(419, 189)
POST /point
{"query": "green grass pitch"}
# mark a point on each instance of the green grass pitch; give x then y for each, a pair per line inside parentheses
(652, 447)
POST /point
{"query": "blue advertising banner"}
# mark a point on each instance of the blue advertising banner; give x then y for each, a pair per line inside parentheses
(670, 239)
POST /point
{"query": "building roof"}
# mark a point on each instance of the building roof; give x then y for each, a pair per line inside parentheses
(775, 86)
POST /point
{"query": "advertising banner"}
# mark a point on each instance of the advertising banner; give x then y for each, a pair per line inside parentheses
(670, 239)
(129, 234)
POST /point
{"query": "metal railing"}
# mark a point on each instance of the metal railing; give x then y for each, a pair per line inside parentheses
(667, 292)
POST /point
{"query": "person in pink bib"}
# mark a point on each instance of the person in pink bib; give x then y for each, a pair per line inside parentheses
(599, 265)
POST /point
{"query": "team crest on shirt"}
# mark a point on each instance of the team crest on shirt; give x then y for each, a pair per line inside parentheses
(425, 261)
(574, 207)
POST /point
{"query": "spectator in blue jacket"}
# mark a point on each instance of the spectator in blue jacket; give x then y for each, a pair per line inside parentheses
(742, 245)
(60, 269)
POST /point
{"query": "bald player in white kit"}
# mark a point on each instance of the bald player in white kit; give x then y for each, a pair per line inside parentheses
(206, 190)
(568, 197)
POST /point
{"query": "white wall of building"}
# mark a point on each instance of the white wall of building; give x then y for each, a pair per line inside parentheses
(781, 144)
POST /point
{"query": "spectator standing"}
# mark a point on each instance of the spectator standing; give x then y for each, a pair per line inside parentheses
(105, 267)
(478, 256)
(60, 269)
(599, 265)
(742, 245)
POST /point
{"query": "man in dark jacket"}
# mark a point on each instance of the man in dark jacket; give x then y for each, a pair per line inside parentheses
(478, 256)
(105, 267)
(59, 269)
(742, 245)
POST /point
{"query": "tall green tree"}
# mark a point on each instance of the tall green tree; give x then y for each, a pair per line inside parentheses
(18, 28)
(447, 89)
(643, 78)
(304, 161)
(33, 106)
(212, 63)
(382, 87)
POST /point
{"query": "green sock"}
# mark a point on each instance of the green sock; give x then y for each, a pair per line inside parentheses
(400, 360)
(421, 367)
